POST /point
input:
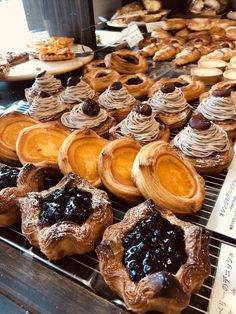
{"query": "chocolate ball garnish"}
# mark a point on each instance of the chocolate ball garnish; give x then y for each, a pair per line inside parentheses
(167, 88)
(116, 86)
(41, 74)
(221, 92)
(143, 109)
(199, 122)
(43, 94)
(90, 107)
(73, 80)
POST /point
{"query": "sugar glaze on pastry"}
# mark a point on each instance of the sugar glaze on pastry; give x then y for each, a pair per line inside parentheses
(46, 82)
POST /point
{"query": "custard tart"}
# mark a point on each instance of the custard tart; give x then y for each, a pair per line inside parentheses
(153, 260)
(10, 126)
(67, 219)
(168, 179)
(114, 168)
(79, 154)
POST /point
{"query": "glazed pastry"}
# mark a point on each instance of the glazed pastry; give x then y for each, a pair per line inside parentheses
(168, 179)
(10, 126)
(44, 82)
(77, 90)
(217, 33)
(170, 106)
(136, 84)
(188, 55)
(224, 54)
(174, 24)
(79, 154)
(166, 53)
(198, 24)
(160, 33)
(126, 62)
(67, 219)
(40, 144)
(205, 144)
(141, 125)
(198, 41)
(114, 168)
(117, 101)
(220, 108)
(146, 41)
(153, 260)
(149, 50)
(100, 79)
(94, 64)
(223, 23)
(89, 115)
(231, 32)
(184, 32)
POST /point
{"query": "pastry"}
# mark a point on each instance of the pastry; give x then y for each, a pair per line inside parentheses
(166, 53)
(136, 84)
(217, 33)
(170, 106)
(184, 32)
(100, 79)
(208, 76)
(89, 115)
(198, 24)
(174, 24)
(191, 89)
(14, 58)
(224, 54)
(154, 17)
(230, 74)
(44, 82)
(141, 125)
(222, 43)
(67, 219)
(4, 68)
(126, 62)
(220, 108)
(207, 7)
(77, 90)
(114, 168)
(117, 101)
(56, 54)
(149, 50)
(231, 32)
(152, 5)
(213, 63)
(229, 84)
(231, 15)
(168, 179)
(223, 23)
(79, 154)
(187, 55)
(153, 260)
(146, 41)
(10, 126)
(198, 41)
(94, 64)
(130, 12)
(160, 33)
(205, 144)
(40, 144)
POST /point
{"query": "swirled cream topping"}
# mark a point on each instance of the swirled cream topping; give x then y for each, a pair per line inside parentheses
(202, 143)
(45, 108)
(76, 118)
(116, 99)
(144, 129)
(47, 83)
(218, 108)
(168, 102)
(77, 93)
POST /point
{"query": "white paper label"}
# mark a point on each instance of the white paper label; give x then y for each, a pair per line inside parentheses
(233, 163)
(132, 35)
(223, 216)
(153, 25)
(223, 296)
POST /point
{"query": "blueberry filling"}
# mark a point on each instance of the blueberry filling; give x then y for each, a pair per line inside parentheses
(50, 179)
(67, 203)
(134, 81)
(102, 74)
(129, 58)
(8, 177)
(153, 245)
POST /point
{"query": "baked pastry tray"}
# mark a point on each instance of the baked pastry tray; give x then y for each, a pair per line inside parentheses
(84, 269)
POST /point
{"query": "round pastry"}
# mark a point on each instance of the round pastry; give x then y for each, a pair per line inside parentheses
(174, 24)
(231, 32)
(141, 125)
(220, 108)
(114, 168)
(89, 115)
(213, 63)
(10, 126)
(44, 82)
(117, 101)
(153, 260)
(230, 74)
(94, 64)
(79, 154)
(67, 219)
(40, 144)
(126, 62)
(136, 84)
(198, 24)
(191, 89)
(205, 144)
(100, 79)
(168, 179)
(208, 76)
(170, 106)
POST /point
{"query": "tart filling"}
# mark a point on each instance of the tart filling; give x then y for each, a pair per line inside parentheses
(8, 177)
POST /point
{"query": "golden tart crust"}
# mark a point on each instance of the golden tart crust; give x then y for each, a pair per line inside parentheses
(170, 180)
(161, 291)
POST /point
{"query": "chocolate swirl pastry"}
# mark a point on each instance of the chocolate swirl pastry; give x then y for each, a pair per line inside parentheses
(153, 260)
(67, 219)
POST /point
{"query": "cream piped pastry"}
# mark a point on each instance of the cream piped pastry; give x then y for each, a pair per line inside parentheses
(46, 107)
(170, 106)
(205, 144)
(77, 90)
(220, 108)
(117, 101)
(141, 125)
(44, 82)
(88, 114)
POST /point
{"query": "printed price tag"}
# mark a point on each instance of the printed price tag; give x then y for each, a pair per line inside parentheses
(233, 163)
(132, 35)
(153, 25)
(223, 216)
(223, 296)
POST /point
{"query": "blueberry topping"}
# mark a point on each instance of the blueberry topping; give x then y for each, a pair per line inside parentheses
(90, 107)
(43, 94)
(143, 109)
(41, 74)
(116, 86)
(167, 88)
(134, 81)
(130, 58)
(8, 177)
(221, 92)
(73, 80)
(199, 122)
